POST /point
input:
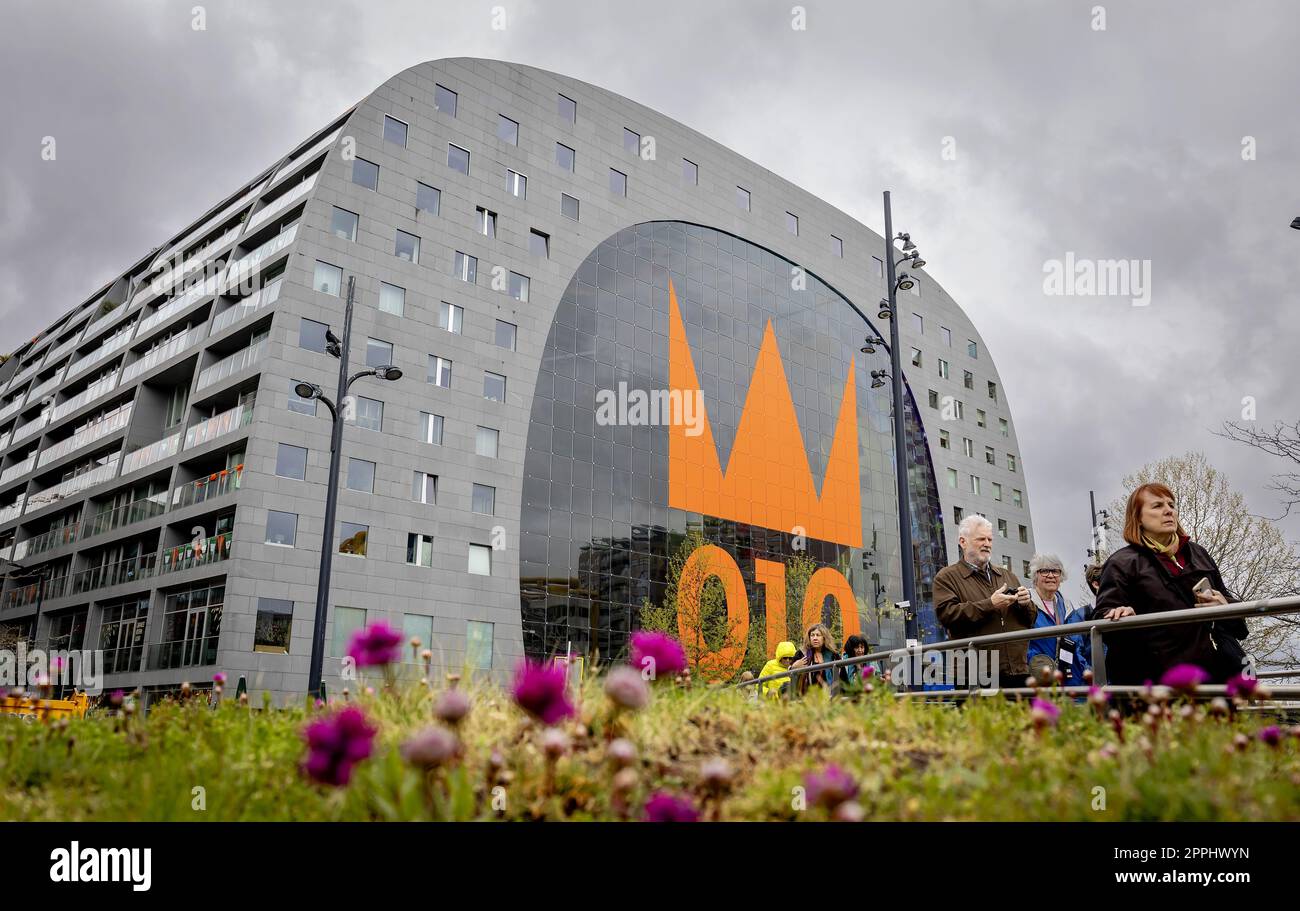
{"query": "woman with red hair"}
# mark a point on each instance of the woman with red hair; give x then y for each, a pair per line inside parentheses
(1156, 572)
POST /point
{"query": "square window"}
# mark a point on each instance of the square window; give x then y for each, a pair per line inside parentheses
(742, 198)
(631, 141)
(956, 515)
(945, 441)
(370, 413)
(485, 442)
(968, 446)
(392, 299)
(974, 484)
(507, 130)
(837, 247)
(972, 349)
(431, 428)
(568, 108)
(327, 279)
(352, 538)
(298, 403)
(792, 223)
(458, 159)
(480, 560)
(484, 500)
(1002, 528)
(344, 224)
(444, 100)
(690, 172)
(539, 244)
(361, 475)
(569, 206)
(311, 335)
(427, 198)
(406, 246)
(478, 645)
(564, 156)
(378, 353)
(419, 549)
(465, 267)
(617, 182)
(281, 527)
(416, 626)
(1024, 534)
(291, 462)
(486, 221)
(494, 386)
(934, 398)
(271, 632)
(439, 371)
(516, 184)
(347, 622)
(394, 131)
(451, 317)
(365, 173)
(519, 287)
(505, 335)
(424, 488)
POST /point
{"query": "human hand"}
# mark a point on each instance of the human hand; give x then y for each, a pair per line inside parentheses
(1004, 597)
(1212, 596)
(1022, 595)
(1117, 613)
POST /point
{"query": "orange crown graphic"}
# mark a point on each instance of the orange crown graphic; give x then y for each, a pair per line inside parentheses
(768, 481)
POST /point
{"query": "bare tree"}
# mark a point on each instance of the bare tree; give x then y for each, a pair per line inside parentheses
(1281, 440)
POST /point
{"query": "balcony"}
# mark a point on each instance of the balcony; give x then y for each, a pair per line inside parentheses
(11, 512)
(264, 297)
(30, 593)
(63, 349)
(48, 386)
(304, 158)
(132, 569)
(162, 353)
(55, 537)
(226, 422)
(239, 271)
(182, 653)
(154, 452)
(217, 484)
(208, 224)
(17, 471)
(11, 408)
(86, 396)
(164, 283)
(73, 485)
(25, 374)
(279, 205)
(202, 552)
(102, 321)
(87, 435)
(23, 431)
(126, 514)
(109, 346)
(228, 366)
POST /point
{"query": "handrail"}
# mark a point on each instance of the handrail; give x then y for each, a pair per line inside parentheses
(117, 420)
(137, 510)
(101, 386)
(151, 453)
(263, 297)
(232, 363)
(164, 352)
(219, 425)
(216, 484)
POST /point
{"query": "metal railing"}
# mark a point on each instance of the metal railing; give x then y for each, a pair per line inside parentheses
(102, 386)
(154, 452)
(106, 347)
(87, 435)
(11, 408)
(281, 203)
(126, 514)
(219, 425)
(263, 297)
(19, 469)
(23, 431)
(214, 485)
(162, 353)
(11, 512)
(132, 569)
(75, 484)
(35, 394)
(232, 364)
(242, 268)
(192, 554)
(55, 537)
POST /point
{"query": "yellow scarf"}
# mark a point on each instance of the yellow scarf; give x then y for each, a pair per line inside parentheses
(1168, 550)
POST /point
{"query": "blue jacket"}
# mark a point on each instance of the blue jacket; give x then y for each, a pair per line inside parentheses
(1047, 646)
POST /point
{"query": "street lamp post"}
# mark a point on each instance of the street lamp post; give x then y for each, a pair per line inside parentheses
(339, 349)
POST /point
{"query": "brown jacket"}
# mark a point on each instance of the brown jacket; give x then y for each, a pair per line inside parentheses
(963, 604)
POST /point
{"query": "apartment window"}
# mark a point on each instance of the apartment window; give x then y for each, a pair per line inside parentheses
(918, 324)
(946, 334)
(1004, 426)
(568, 206)
(993, 391)
(478, 645)
(298, 403)
(281, 527)
(519, 287)
(980, 417)
(392, 299)
(943, 368)
(348, 621)
(1025, 568)
(961, 409)
(1006, 562)
(465, 267)
(439, 371)
(406, 246)
(271, 632)
(494, 386)
(972, 349)
(968, 379)
(564, 156)
(480, 560)
(344, 224)
(568, 108)
(1011, 462)
(424, 488)
(1002, 528)
(327, 279)
(506, 334)
(427, 198)
(631, 141)
(291, 462)
(957, 515)
(416, 626)
(934, 398)
(361, 475)
(968, 446)
(990, 457)
(485, 442)
(743, 198)
(177, 399)
(378, 353)
(487, 221)
(1016, 497)
(617, 182)
(311, 335)
(507, 130)
(458, 158)
(431, 428)
(365, 173)
(952, 478)
(539, 244)
(516, 184)
(370, 413)
(690, 172)
(484, 500)
(974, 484)
(1024, 534)
(837, 247)
(997, 491)
(792, 223)
(916, 357)
(352, 538)
(394, 130)
(419, 549)
(945, 441)
(880, 266)
(451, 317)
(444, 100)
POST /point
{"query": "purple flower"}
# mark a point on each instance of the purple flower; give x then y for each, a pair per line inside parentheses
(335, 744)
(115, 698)
(1242, 685)
(665, 807)
(376, 645)
(830, 787)
(626, 689)
(541, 690)
(1272, 735)
(1184, 678)
(219, 678)
(431, 747)
(1098, 697)
(1044, 713)
(659, 652)
(452, 706)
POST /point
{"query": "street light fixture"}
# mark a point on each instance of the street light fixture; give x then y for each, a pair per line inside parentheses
(870, 346)
(337, 348)
(1295, 223)
(878, 378)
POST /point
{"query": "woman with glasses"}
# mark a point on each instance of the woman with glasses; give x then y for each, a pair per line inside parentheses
(1068, 654)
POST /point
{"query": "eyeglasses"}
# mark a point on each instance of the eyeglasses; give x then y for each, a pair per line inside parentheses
(1049, 572)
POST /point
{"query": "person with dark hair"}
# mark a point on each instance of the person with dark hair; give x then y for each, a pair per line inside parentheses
(1163, 569)
(855, 647)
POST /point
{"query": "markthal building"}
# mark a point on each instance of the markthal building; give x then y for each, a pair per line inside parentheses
(612, 333)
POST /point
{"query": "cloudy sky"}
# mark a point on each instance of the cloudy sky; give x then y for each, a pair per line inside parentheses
(1122, 142)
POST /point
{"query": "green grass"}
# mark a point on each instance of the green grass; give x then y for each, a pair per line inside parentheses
(912, 762)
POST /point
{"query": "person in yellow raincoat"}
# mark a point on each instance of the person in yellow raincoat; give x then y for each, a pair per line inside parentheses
(785, 652)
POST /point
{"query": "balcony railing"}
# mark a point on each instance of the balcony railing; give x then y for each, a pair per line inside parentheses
(87, 435)
(132, 569)
(86, 396)
(55, 537)
(23, 431)
(101, 321)
(203, 552)
(305, 157)
(9, 409)
(241, 202)
(232, 364)
(63, 349)
(217, 484)
(17, 471)
(27, 594)
(226, 422)
(25, 374)
(264, 297)
(109, 345)
(11, 512)
(51, 383)
(7, 552)
(182, 653)
(240, 270)
(165, 282)
(126, 514)
(154, 452)
(279, 205)
(73, 485)
(162, 353)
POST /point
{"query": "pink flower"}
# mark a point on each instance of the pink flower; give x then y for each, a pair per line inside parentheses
(452, 707)
(659, 652)
(1098, 697)
(830, 787)
(335, 744)
(1272, 735)
(219, 678)
(541, 690)
(1044, 713)
(376, 645)
(626, 689)
(1184, 678)
(665, 807)
(431, 747)
(1242, 685)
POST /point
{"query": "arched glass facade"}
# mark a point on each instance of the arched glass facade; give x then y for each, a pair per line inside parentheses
(597, 530)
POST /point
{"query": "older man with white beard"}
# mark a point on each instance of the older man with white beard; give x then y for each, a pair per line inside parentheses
(976, 598)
